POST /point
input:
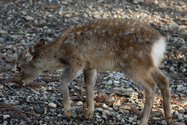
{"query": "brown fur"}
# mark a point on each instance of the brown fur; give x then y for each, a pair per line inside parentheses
(108, 44)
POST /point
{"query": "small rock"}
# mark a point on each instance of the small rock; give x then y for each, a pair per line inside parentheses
(29, 18)
(180, 88)
(104, 116)
(110, 99)
(172, 69)
(24, 12)
(84, 15)
(156, 113)
(109, 82)
(46, 118)
(73, 115)
(6, 116)
(97, 116)
(104, 106)
(162, 66)
(38, 110)
(64, 3)
(185, 116)
(59, 115)
(79, 103)
(163, 122)
(156, 118)
(104, 112)
(176, 113)
(12, 37)
(118, 103)
(99, 109)
(67, 16)
(181, 3)
(52, 105)
(180, 117)
(116, 82)
(126, 111)
(184, 102)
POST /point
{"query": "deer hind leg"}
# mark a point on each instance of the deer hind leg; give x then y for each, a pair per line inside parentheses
(146, 82)
(163, 84)
(90, 77)
(68, 76)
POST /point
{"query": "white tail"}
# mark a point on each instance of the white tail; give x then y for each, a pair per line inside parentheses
(109, 44)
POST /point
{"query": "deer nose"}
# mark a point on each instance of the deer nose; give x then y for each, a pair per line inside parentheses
(20, 81)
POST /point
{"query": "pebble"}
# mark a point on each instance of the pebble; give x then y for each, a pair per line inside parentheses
(6, 116)
(163, 122)
(109, 82)
(99, 109)
(172, 69)
(79, 103)
(38, 110)
(110, 99)
(104, 116)
(84, 15)
(104, 112)
(24, 12)
(185, 116)
(73, 115)
(180, 116)
(104, 106)
(52, 105)
(29, 18)
(156, 113)
(180, 88)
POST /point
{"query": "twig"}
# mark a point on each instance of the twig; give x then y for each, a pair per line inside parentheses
(9, 87)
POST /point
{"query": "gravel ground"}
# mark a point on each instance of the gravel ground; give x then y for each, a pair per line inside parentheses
(117, 99)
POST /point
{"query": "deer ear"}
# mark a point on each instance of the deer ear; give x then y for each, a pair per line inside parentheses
(30, 52)
(40, 43)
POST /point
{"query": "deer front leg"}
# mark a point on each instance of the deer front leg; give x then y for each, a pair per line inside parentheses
(68, 75)
(90, 77)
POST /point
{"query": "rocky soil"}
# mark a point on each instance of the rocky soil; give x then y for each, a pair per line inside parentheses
(117, 99)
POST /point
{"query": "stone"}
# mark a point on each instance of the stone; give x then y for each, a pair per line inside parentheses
(73, 115)
(110, 99)
(104, 106)
(184, 102)
(116, 82)
(64, 3)
(118, 103)
(185, 116)
(180, 88)
(24, 12)
(163, 122)
(38, 110)
(104, 112)
(104, 116)
(67, 16)
(156, 113)
(180, 117)
(84, 15)
(109, 82)
(99, 109)
(6, 116)
(79, 103)
(172, 69)
(52, 105)
(29, 18)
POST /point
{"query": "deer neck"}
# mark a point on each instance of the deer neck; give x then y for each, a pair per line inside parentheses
(45, 58)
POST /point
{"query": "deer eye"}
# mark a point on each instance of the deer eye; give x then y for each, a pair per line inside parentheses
(19, 69)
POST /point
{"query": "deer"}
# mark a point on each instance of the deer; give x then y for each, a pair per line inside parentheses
(131, 46)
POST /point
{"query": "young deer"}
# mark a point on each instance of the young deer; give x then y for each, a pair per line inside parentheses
(108, 44)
